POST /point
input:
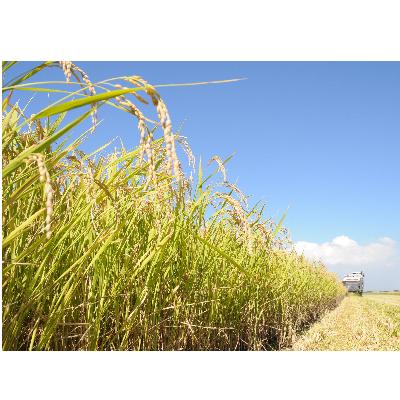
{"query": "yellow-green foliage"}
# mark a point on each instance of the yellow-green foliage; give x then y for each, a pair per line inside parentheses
(129, 259)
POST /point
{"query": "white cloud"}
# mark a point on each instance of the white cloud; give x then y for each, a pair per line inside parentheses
(345, 251)
(380, 260)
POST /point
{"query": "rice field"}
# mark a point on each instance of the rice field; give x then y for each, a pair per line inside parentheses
(124, 249)
(367, 323)
(384, 297)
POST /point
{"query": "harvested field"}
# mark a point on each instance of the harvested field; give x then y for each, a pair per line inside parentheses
(371, 322)
(384, 297)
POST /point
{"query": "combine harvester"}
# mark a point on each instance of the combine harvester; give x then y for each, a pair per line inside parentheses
(354, 282)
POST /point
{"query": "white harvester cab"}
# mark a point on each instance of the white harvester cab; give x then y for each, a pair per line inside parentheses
(354, 282)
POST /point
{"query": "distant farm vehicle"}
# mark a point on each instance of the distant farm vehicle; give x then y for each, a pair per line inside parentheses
(354, 282)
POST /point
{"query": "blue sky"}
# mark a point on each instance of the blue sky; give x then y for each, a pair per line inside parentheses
(320, 137)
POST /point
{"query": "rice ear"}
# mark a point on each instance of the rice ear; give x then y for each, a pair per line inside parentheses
(44, 178)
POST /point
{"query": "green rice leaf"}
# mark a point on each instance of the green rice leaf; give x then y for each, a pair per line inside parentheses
(70, 105)
(20, 228)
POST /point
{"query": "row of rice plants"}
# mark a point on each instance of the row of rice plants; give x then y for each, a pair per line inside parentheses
(121, 250)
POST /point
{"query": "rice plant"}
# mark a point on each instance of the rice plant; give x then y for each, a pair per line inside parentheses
(120, 250)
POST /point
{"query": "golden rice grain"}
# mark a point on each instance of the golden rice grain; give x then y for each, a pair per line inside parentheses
(70, 68)
(44, 177)
(66, 67)
(239, 215)
(241, 195)
(221, 166)
(182, 140)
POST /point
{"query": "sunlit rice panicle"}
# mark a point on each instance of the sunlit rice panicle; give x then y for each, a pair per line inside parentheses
(265, 232)
(142, 127)
(241, 195)
(146, 138)
(48, 190)
(70, 68)
(150, 158)
(182, 140)
(173, 165)
(91, 89)
(221, 166)
(142, 131)
(66, 67)
(240, 216)
(137, 81)
(85, 78)
(165, 121)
